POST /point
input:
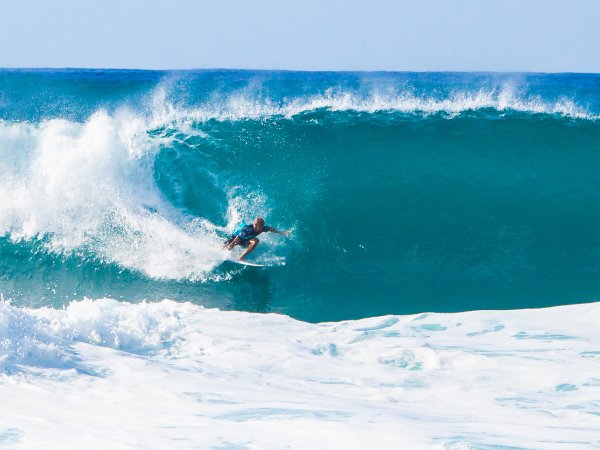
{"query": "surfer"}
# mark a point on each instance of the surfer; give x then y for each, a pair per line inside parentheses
(245, 235)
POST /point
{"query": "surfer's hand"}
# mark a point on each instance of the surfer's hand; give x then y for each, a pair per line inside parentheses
(286, 232)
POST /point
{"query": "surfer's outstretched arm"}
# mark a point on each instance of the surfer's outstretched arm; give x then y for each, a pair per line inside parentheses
(284, 233)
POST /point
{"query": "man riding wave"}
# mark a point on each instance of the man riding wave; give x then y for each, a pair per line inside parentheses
(245, 236)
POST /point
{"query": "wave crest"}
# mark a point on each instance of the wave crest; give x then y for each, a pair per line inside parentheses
(252, 105)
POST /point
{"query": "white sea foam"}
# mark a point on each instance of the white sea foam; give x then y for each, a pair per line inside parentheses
(106, 374)
(89, 188)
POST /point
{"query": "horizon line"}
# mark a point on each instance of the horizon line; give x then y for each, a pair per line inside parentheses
(234, 69)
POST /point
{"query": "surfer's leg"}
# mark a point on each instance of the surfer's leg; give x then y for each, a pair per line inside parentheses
(253, 243)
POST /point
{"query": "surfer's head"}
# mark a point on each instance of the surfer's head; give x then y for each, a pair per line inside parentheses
(259, 224)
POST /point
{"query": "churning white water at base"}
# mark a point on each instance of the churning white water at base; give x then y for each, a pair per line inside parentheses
(107, 374)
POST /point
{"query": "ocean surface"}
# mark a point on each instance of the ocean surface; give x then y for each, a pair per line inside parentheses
(406, 192)
(430, 212)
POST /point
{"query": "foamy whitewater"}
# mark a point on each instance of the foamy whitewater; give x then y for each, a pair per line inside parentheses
(124, 325)
(105, 374)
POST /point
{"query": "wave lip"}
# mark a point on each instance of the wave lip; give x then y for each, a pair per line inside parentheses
(250, 105)
(454, 104)
(173, 368)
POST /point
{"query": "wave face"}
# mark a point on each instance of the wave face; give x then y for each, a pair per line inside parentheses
(405, 192)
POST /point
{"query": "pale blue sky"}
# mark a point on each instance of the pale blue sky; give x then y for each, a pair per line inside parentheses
(507, 35)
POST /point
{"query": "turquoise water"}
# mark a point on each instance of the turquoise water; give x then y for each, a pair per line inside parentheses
(406, 192)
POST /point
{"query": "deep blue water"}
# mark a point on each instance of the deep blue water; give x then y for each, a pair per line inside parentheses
(406, 192)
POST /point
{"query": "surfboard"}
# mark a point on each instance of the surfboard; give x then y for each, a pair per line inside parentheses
(246, 263)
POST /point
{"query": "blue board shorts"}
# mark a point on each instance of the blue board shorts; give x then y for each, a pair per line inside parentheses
(243, 242)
